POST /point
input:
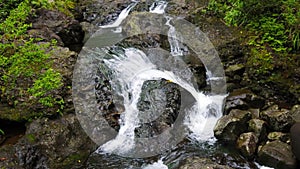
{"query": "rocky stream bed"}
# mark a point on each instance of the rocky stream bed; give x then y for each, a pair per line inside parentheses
(255, 126)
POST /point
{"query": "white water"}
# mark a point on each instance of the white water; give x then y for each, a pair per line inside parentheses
(174, 39)
(158, 7)
(157, 165)
(124, 13)
(131, 70)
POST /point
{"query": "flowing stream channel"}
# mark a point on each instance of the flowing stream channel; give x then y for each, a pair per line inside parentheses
(129, 69)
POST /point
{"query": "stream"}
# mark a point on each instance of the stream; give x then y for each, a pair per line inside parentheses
(137, 76)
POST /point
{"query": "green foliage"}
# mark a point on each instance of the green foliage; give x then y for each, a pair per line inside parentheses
(277, 23)
(61, 5)
(273, 28)
(261, 59)
(6, 6)
(25, 67)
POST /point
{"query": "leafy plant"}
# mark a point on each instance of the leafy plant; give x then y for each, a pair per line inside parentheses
(25, 67)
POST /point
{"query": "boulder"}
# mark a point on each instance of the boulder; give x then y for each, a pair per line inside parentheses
(259, 127)
(278, 155)
(229, 127)
(243, 99)
(278, 119)
(295, 139)
(247, 144)
(57, 25)
(48, 143)
(295, 113)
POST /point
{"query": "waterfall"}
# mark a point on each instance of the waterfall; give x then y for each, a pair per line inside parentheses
(173, 37)
(132, 68)
(158, 7)
(175, 45)
(124, 13)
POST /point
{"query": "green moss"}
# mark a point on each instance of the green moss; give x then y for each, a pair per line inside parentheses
(260, 62)
(75, 158)
(31, 138)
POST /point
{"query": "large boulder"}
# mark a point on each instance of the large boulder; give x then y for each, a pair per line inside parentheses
(48, 143)
(295, 139)
(295, 113)
(57, 25)
(229, 127)
(278, 155)
(278, 119)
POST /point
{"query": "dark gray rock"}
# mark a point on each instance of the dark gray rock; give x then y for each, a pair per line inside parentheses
(259, 127)
(54, 144)
(278, 119)
(278, 155)
(229, 127)
(201, 163)
(243, 99)
(57, 25)
(295, 113)
(295, 139)
(247, 144)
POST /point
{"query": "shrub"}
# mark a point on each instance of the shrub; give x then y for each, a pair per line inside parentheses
(25, 67)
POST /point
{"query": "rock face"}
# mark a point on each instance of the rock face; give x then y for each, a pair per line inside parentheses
(247, 143)
(201, 163)
(56, 25)
(229, 127)
(278, 155)
(50, 144)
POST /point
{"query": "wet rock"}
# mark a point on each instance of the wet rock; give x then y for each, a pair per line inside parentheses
(278, 155)
(54, 144)
(295, 139)
(236, 71)
(8, 158)
(103, 12)
(295, 113)
(243, 99)
(56, 25)
(233, 159)
(201, 163)
(229, 127)
(158, 105)
(247, 144)
(278, 119)
(259, 127)
(284, 137)
(255, 113)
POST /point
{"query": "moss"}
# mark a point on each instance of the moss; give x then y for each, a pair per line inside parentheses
(76, 158)
(31, 138)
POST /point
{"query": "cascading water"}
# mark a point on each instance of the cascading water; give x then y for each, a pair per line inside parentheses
(124, 13)
(130, 69)
(158, 7)
(133, 68)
